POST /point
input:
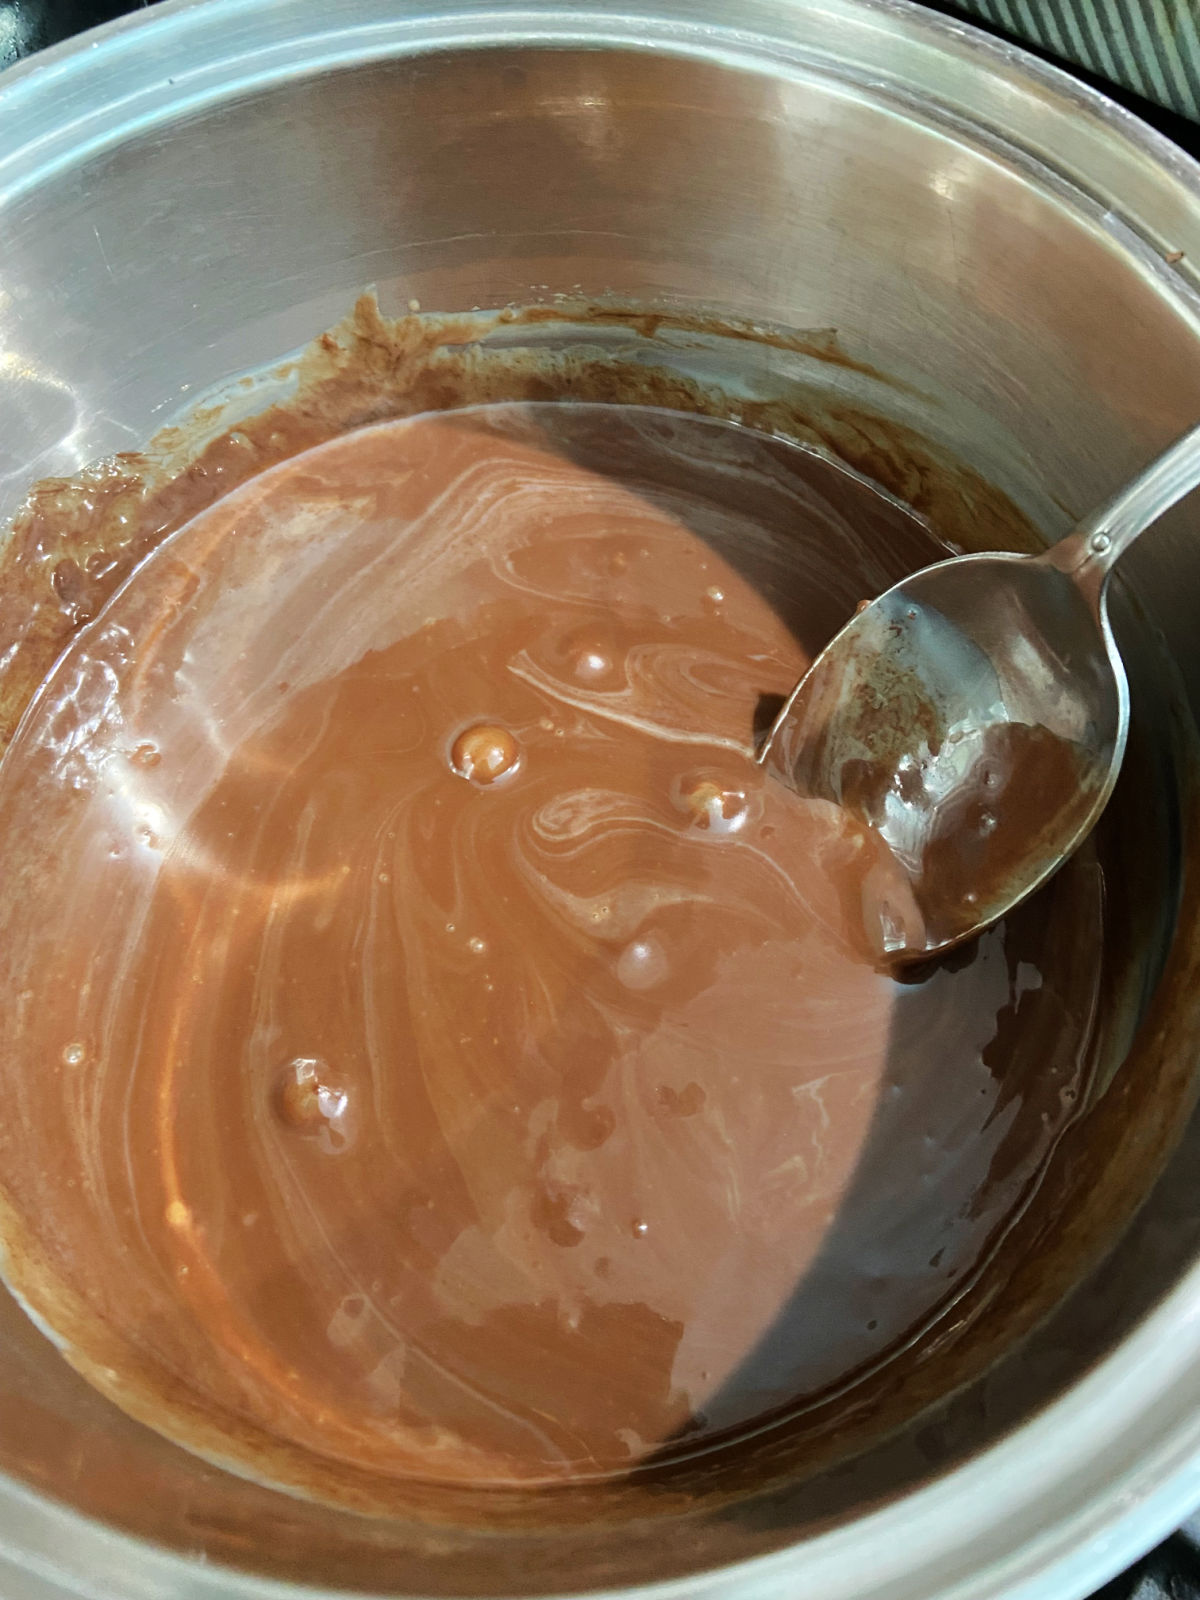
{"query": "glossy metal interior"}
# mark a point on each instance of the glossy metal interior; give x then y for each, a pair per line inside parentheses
(190, 194)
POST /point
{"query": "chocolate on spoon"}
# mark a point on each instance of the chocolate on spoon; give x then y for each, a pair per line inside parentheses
(975, 715)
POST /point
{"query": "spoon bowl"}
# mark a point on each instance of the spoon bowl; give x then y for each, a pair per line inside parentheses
(975, 717)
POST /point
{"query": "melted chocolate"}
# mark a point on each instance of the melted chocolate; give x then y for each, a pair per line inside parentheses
(973, 807)
(439, 1051)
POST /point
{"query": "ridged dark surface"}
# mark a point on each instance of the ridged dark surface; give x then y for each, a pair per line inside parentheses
(1164, 114)
(1152, 47)
(1172, 1572)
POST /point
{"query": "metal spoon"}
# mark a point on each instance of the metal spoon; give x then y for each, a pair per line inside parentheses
(975, 716)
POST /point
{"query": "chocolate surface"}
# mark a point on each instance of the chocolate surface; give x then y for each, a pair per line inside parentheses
(440, 1052)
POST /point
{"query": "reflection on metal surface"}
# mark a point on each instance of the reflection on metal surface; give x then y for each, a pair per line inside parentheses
(39, 413)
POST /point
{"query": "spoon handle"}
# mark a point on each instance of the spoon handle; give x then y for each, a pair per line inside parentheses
(1101, 539)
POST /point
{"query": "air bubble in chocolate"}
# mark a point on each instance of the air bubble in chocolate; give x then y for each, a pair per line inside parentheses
(715, 806)
(484, 753)
(309, 1102)
(643, 963)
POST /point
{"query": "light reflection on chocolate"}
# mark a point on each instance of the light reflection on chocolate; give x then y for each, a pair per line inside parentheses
(513, 1131)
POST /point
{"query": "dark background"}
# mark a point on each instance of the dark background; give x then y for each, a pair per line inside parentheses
(29, 25)
(1172, 1572)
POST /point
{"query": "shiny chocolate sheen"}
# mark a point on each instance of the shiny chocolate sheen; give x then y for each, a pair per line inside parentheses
(439, 1050)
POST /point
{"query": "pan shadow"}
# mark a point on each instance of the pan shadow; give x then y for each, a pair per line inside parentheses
(1003, 1051)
